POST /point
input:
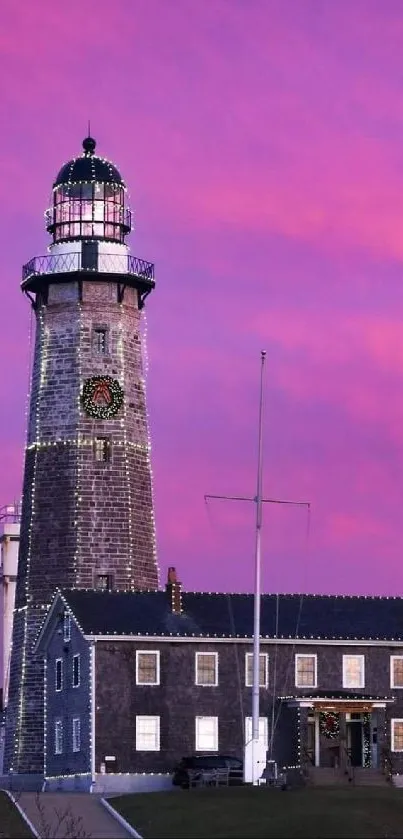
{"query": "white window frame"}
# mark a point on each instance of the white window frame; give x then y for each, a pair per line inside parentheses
(109, 579)
(139, 745)
(362, 681)
(249, 656)
(76, 734)
(392, 733)
(393, 658)
(102, 449)
(59, 661)
(155, 653)
(58, 737)
(315, 658)
(76, 657)
(263, 735)
(198, 656)
(66, 627)
(198, 722)
(97, 331)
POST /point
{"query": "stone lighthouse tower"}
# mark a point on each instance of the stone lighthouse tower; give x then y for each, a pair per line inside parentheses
(87, 513)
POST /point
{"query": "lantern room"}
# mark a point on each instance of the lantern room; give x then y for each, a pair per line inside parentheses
(89, 200)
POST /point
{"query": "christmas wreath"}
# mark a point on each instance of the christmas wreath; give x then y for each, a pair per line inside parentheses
(102, 397)
(329, 724)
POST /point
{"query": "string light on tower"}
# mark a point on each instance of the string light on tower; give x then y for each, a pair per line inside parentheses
(123, 424)
(143, 381)
(79, 455)
(43, 334)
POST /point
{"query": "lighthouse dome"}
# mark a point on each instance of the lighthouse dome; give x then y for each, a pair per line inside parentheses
(89, 200)
(89, 167)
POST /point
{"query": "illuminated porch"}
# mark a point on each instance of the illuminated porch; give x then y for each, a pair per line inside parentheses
(341, 731)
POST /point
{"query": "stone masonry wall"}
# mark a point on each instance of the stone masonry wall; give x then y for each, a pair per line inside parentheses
(81, 517)
(89, 516)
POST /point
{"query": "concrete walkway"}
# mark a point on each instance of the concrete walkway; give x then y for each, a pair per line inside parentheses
(57, 815)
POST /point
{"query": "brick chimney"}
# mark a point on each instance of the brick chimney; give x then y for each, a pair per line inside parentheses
(174, 591)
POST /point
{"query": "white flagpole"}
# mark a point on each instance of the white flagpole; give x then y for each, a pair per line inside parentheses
(256, 618)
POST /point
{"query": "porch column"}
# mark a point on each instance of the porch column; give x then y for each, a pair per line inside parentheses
(380, 748)
(303, 735)
(317, 738)
(343, 758)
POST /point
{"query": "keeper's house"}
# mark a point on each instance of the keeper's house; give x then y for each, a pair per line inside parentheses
(137, 680)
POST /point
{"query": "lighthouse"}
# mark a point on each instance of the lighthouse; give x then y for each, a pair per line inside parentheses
(87, 518)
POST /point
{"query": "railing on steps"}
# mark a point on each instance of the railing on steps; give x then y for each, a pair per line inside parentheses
(349, 769)
(386, 764)
(307, 763)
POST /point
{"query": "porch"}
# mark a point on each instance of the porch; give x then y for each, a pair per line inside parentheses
(342, 738)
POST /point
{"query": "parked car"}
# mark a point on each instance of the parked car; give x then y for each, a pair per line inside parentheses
(188, 766)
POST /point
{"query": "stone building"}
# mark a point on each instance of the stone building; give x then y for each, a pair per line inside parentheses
(87, 509)
(137, 680)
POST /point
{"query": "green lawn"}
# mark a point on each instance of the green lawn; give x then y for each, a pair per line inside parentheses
(313, 813)
(12, 826)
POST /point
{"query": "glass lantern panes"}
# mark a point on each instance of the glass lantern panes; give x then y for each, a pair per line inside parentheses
(89, 210)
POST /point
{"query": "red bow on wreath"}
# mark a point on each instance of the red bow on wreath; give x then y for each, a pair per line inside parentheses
(102, 392)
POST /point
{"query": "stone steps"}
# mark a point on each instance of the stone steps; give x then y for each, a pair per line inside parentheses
(355, 776)
(367, 777)
(326, 776)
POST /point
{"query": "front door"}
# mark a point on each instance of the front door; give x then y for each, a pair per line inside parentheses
(355, 741)
(89, 256)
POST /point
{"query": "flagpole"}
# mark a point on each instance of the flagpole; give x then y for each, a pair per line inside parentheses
(256, 618)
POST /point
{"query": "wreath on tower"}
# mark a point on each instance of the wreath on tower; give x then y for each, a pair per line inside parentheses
(329, 724)
(102, 397)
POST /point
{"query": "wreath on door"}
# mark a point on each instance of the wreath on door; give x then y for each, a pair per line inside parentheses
(329, 724)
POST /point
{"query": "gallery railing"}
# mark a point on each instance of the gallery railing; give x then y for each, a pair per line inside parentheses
(109, 263)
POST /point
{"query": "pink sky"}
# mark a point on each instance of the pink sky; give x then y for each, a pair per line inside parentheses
(262, 141)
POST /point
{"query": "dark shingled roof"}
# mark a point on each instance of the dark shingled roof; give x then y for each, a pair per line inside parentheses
(89, 167)
(231, 615)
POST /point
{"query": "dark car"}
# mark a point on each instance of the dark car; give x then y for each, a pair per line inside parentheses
(189, 766)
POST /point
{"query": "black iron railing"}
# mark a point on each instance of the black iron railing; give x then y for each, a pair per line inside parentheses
(109, 263)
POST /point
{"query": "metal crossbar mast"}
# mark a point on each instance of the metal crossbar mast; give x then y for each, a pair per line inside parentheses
(259, 501)
(264, 500)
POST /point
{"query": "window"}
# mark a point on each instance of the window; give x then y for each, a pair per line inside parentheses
(206, 669)
(263, 670)
(76, 670)
(66, 627)
(353, 671)
(263, 731)
(58, 737)
(397, 735)
(100, 341)
(102, 449)
(76, 734)
(147, 668)
(147, 734)
(207, 734)
(305, 671)
(396, 671)
(104, 582)
(59, 674)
